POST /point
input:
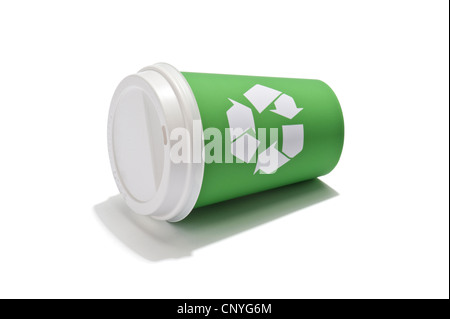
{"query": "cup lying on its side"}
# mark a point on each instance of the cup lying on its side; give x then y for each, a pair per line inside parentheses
(179, 140)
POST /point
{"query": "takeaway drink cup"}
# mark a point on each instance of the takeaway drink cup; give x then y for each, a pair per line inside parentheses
(180, 140)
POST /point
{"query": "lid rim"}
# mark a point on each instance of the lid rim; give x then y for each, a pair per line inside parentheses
(181, 184)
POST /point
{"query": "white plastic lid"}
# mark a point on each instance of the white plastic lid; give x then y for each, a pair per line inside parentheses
(145, 108)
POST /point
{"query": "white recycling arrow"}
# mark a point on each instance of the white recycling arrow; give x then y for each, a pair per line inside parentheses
(261, 96)
(245, 147)
(285, 106)
(270, 160)
(292, 139)
(240, 118)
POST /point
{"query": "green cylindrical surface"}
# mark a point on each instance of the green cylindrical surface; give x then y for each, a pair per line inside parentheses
(272, 107)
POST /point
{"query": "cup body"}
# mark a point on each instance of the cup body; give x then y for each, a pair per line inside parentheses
(305, 114)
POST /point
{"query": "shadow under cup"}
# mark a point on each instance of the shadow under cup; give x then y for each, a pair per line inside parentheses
(158, 240)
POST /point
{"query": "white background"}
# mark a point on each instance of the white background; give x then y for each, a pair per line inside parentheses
(383, 230)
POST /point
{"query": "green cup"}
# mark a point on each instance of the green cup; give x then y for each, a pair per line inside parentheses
(179, 140)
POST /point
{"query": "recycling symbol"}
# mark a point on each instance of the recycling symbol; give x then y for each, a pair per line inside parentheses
(244, 146)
